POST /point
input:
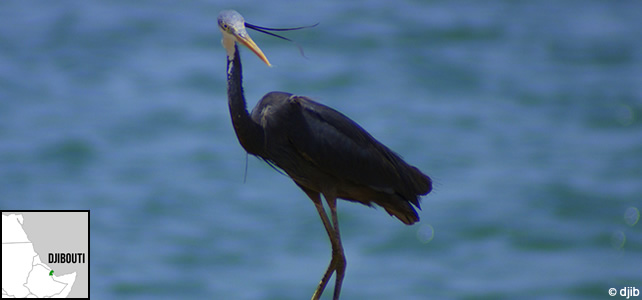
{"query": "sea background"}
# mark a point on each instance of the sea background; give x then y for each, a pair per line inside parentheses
(527, 115)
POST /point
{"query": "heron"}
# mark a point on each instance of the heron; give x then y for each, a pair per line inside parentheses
(323, 151)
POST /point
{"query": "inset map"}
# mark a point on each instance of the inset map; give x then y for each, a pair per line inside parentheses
(45, 254)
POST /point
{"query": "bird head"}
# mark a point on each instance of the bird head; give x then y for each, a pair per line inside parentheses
(232, 25)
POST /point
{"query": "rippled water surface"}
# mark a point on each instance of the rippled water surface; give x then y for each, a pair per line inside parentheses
(527, 114)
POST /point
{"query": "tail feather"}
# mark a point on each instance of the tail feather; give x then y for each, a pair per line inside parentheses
(402, 210)
(416, 183)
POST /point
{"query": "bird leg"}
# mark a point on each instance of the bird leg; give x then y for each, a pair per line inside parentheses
(338, 261)
(328, 228)
(338, 257)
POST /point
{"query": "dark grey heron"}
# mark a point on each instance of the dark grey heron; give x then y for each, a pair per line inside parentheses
(322, 150)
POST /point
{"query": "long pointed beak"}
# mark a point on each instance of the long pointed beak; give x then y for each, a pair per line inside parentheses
(248, 42)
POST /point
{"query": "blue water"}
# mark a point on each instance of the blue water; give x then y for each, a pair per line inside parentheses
(527, 114)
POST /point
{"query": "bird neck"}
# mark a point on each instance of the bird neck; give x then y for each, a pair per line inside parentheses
(249, 133)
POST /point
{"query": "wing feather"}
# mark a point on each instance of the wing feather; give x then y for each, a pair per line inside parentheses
(306, 138)
(339, 146)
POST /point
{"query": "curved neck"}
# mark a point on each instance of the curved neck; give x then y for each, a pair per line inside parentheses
(249, 133)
